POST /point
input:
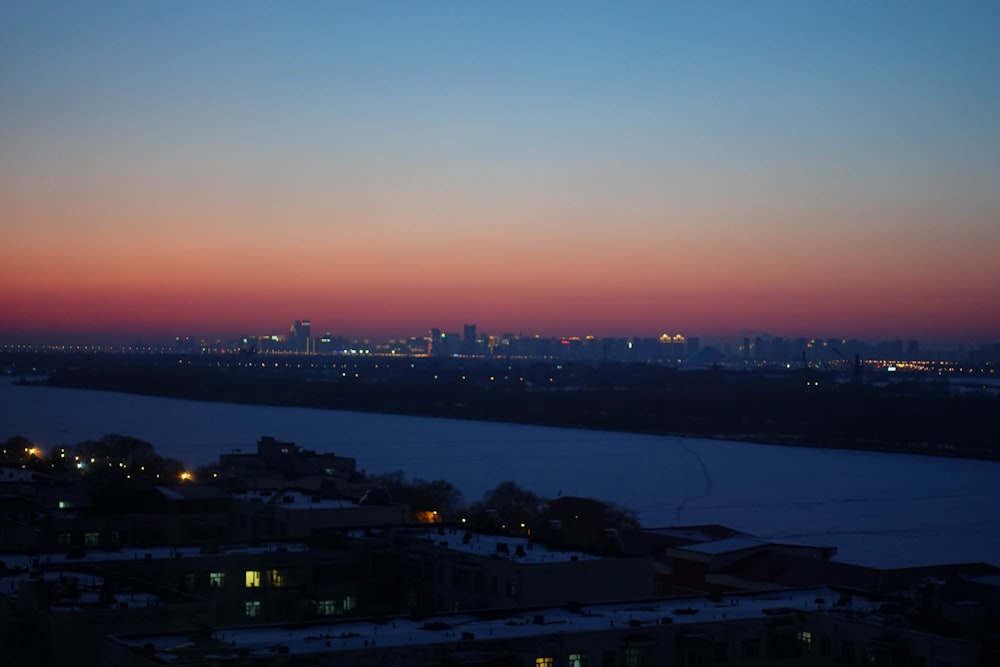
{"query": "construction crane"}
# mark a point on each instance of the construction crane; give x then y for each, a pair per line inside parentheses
(855, 366)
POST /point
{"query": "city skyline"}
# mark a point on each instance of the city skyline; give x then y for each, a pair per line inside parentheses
(303, 336)
(560, 169)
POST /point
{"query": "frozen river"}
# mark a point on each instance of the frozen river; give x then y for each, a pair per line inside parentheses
(877, 509)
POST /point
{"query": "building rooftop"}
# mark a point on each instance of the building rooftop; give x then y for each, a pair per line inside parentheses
(520, 549)
(295, 500)
(16, 563)
(267, 641)
(730, 545)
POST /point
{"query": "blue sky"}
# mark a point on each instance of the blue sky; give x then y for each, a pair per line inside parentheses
(845, 132)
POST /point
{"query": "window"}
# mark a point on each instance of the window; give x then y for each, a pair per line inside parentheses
(847, 651)
(805, 642)
(462, 579)
(65, 504)
(637, 656)
(511, 589)
(720, 652)
(545, 662)
(276, 578)
(253, 579)
(750, 649)
(252, 608)
(217, 579)
(335, 607)
(92, 539)
(575, 660)
(189, 581)
(65, 539)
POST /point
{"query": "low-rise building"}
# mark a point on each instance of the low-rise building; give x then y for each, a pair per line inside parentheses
(449, 569)
(58, 617)
(293, 514)
(820, 626)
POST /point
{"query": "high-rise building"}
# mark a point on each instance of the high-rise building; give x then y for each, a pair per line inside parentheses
(469, 339)
(300, 336)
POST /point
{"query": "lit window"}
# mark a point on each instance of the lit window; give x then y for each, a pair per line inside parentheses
(253, 579)
(252, 608)
(635, 656)
(805, 641)
(575, 660)
(92, 539)
(217, 579)
(545, 662)
(275, 578)
(65, 539)
(326, 607)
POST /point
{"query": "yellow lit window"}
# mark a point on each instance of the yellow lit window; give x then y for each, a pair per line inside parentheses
(545, 662)
(253, 579)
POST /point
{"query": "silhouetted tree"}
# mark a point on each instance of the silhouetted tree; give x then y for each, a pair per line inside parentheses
(513, 505)
(421, 495)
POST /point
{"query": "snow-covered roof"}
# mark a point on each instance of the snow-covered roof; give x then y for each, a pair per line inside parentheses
(265, 641)
(295, 500)
(519, 549)
(730, 545)
(62, 559)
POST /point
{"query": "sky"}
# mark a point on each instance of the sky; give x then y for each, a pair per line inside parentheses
(561, 168)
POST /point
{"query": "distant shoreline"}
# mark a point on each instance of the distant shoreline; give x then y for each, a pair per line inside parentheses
(735, 406)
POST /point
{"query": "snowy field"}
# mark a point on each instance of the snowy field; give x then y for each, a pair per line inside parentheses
(877, 509)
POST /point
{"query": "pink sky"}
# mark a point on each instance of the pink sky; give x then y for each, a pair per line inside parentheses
(385, 171)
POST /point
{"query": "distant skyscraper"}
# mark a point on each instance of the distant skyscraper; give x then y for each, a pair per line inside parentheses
(435, 343)
(300, 336)
(469, 339)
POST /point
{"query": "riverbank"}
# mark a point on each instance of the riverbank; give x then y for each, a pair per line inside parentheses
(801, 408)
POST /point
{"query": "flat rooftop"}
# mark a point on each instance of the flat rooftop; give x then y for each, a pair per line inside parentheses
(294, 500)
(63, 559)
(514, 548)
(267, 641)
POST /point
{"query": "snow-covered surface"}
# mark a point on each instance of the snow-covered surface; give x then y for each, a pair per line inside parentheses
(731, 545)
(14, 474)
(60, 559)
(489, 545)
(296, 500)
(265, 641)
(876, 508)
